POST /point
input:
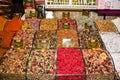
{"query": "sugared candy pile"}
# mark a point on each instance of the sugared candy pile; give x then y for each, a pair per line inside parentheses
(69, 61)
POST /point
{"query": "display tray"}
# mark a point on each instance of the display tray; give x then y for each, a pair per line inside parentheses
(45, 39)
(41, 64)
(90, 39)
(12, 76)
(99, 65)
(66, 23)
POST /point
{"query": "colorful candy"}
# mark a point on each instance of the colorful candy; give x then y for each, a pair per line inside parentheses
(70, 21)
(69, 61)
(14, 62)
(48, 24)
(41, 61)
(67, 38)
(32, 24)
(45, 39)
(98, 62)
(23, 39)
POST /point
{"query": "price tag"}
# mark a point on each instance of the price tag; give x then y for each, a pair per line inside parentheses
(42, 43)
(18, 43)
(0, 41)
(66, 25)
(67, 43)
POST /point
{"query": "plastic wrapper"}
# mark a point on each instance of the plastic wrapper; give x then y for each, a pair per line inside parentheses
(48, 24)
(67, 38)
(111, 41)
(98, 64)
(105, 26)
(69, 64)
(41, 63)
(31, 24)
(45, 39)
(13, 65)
(23, 39)
(71, 22)
(90, 39)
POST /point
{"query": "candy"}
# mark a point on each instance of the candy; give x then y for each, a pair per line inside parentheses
(70, 21)
(48, 24)
(14, 62)
(45, 39)
(98, 62)
(69, 61)
(26, 36)
(41, 62)
(70, 35)
(87, 35)
(31, 24)
(105, 26)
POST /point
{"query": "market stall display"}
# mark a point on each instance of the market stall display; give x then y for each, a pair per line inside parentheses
(41, 62)
(67, 38)
(98, 62)
(69, 64)
(89, 39)
(105, 26)
(13, 65)
(23, 39)
(66, 23)
(45, 39)
(31, 24)
(111, 41)
(49, 24)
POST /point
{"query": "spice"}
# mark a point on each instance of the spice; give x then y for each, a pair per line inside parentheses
(14, 25)
(3, 21)
(6, 38)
